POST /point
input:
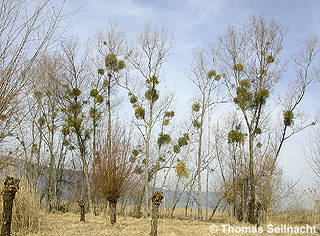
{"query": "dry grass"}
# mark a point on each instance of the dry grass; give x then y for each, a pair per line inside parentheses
(68, 224)
(26, 209)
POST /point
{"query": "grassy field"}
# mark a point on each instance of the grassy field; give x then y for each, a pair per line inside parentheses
(68, 224)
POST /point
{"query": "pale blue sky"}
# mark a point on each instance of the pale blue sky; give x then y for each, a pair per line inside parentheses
(197, 23)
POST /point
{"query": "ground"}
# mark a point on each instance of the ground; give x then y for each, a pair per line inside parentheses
(68, 224)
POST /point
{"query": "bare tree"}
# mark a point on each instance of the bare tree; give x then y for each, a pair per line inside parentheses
(307, 73)
(115, 173)
(73, 104)
(206, 79)
(109, 68)
(146, 59)
(313, 154)
(26, 31)
(250, 59)
(47, 88)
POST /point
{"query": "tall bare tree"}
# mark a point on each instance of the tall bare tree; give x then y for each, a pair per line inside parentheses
(250, 58)
(146, 59)
(73, 104)
(108, 49)
(26, 31)
(206, 79)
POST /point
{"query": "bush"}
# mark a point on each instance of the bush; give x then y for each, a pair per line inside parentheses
(288, 117)
(235, 136)
(26, 209)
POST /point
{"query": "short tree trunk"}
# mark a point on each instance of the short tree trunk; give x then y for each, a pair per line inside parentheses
(81, 204)
(156, 201)
(137, 207)
(251, 211)
(215, 208)
(113, 212)
(11, 186)
(259, 214)
(94, 205)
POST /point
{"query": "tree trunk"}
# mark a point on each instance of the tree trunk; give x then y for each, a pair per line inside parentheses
(11, 186)
(94, 205)
(146, 177)
(156, 201)
(199, 160)
(106, 206)
(88, 185)
(174, 198)
(113, 212)
(137, 206)
(259, 214)
(123, 206)
(208, 169)
(82, 204)
(51, 166)
(188, 198)
(207, 193)
(252, 202)
(94, 163)
(50, 182)
(215, 208)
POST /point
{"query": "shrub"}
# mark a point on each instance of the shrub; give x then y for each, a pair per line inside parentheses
(196, 124)
(101, 71)
(235, 136)
(288, 117)
(212, 73)
(94, 93)
(238, 67)
(164, 139)
(176, 148)
(111, 61)
(75, 92)
(217, 77)
(165, 122)
(182, 170)
(169, 114)
(196, 107)
(139, 113)
(245, 83)
(261, 96)
(258, 131)
(153, 79)
(183, 141)
(133, 99)
(99, 99)
(270, 59)
(152, 95)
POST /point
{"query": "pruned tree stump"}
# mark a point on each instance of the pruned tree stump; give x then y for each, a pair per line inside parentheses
(81, 204)
(11, 186)
(113, 211)
(156, 201)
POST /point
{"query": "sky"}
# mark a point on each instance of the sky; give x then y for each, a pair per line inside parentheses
(198, 23)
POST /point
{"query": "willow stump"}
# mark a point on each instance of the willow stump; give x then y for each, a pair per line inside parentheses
(113, 211)
(11, 186)
(156, 201)
(81, 204)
